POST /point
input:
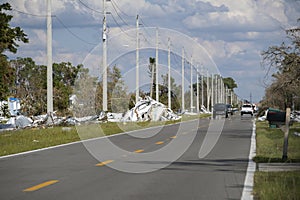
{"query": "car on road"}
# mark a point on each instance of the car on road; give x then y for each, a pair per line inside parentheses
(220, 109)
(247, 109)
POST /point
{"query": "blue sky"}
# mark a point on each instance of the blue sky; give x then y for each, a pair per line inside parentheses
(233, 33)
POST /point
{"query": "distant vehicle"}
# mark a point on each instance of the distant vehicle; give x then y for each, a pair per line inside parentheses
(247, 109)
(229, 109)
(220, 109)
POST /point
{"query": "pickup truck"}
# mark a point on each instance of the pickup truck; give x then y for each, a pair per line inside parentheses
(247, 109)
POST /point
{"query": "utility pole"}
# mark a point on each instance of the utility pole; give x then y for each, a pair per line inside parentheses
(137, 89)
(156, 61)
(197, 102)
(191, 64)
(202, 94)
(212, 92)
(207, 91)
(104, 75)
(169, 73)
(49, 60)
(182, 80)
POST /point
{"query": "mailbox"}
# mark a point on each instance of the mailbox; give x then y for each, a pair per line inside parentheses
(275, 117)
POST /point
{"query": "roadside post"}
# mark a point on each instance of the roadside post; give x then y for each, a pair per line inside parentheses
(286, 134)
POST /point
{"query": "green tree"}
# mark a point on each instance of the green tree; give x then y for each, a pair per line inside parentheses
(64, 75)
(9, 37)
(6, 78)
(175, 92)
(230, 83)
(30, 85)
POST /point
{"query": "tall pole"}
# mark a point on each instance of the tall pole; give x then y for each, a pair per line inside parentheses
(197, 90)
(207, 91)
(156, 65)
(137, 89)
(212, 92)
(169, 73)
(104, 75)
(202, 88)
(192, 90)
(182, 80)
(49, 60)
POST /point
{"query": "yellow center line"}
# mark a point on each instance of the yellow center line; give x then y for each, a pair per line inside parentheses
(104, 163)
(173, 137)
(139, 151)
(160, 142)
(39, 186)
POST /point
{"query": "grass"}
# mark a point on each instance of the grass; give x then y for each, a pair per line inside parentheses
(17, 141)
(277, 185)
(269, 143)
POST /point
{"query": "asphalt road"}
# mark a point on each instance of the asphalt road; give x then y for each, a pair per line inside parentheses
(136, 166)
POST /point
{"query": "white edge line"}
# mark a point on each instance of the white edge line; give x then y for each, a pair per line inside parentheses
(249, 179)
(88, 140)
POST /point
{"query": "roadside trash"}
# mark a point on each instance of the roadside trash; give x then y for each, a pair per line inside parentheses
(148, 109)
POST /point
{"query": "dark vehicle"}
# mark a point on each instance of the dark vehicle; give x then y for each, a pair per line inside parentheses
(220, 109)
(229, 109)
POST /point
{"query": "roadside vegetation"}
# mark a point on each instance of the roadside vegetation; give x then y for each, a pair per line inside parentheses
(269, 145)
(277, 185)
(282, 93)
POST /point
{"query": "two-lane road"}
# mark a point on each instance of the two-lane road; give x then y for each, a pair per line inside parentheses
(71, 172)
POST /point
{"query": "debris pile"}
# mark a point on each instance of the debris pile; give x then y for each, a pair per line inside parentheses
(148, 109)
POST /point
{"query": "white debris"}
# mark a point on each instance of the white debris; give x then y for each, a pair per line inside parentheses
(114, 117)
(297, 134)
(203, 110)
(148, 109)
(262, 118)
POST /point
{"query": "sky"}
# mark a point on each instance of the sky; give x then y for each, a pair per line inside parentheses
(227, 35)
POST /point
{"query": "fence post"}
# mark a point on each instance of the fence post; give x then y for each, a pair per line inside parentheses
(286, 134)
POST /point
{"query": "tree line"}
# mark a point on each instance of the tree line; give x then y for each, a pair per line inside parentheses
(284, 91)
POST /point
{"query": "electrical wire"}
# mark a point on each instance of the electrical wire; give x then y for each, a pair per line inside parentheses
(115, 4)
(76, 36)
(60, 21)
(120, 27)
(30, 14)
(119, 15)
(88, 7)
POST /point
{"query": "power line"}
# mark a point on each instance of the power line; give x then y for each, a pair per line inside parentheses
(115, 4)
(119, 15)
(88, 7)
(79, 38)
(60, 21)
(30, 14)
(120, 27)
